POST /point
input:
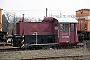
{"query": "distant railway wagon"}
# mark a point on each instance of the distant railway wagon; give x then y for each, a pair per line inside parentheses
(51, 31)
(2, 33)
(83, 17)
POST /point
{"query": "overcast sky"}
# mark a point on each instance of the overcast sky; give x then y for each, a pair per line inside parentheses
(36, 8)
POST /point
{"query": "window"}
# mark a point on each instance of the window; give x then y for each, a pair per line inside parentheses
(85, 27)
(64, 27)
(71, 27)
(56, 25)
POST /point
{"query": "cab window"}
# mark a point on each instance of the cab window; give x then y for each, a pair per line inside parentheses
(56, 25)
(72, 27)
(64, 27)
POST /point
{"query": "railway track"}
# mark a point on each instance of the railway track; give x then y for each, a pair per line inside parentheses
(80, 57)
(19, 49)
(11, 49)
(5, 44)
(4, 48)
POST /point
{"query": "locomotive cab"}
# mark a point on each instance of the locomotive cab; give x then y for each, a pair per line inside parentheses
(67, 31)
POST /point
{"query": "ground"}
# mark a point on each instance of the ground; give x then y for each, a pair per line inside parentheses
(43, 53)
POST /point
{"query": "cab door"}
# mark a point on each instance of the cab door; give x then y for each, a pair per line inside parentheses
(64, 33)
(72, 33)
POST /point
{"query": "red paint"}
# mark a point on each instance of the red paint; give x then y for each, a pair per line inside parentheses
(31, 27)
(47, 27)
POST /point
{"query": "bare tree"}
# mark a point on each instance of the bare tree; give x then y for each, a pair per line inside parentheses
(4, 23)
(12, 19)
(8, 16)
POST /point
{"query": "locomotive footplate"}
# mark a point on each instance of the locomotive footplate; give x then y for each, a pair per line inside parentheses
(39, 45)
(43, 46)
(39, 40)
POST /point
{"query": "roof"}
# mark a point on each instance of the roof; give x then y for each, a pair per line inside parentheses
(83, 9)
(69, 20)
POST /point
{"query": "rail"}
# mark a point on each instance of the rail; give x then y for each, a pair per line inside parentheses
(79, 57)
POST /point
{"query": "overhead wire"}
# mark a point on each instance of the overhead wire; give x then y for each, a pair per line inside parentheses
(25, 10)
(38, 10)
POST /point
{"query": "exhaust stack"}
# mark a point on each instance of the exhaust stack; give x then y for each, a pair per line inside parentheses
(23, 18)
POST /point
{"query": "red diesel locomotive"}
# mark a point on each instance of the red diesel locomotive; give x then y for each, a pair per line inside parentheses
(51, 31)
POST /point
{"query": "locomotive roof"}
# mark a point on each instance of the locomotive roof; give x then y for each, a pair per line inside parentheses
(69, 20)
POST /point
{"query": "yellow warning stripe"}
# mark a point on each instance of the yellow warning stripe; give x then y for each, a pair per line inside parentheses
(7, 33)
(7, 41)
(22, 46)
(22, 41)
(23, 36)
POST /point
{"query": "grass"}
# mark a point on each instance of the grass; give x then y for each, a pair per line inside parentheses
(43, 53)
(5, 47)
